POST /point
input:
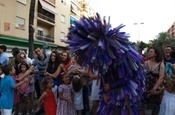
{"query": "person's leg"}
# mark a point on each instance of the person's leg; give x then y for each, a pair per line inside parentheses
(94, 107)
(37, 88)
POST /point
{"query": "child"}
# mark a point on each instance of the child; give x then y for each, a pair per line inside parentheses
(168, 100)
(7, 86)
(64, 103)
(47, 97)
(23, 89)
(78, 96)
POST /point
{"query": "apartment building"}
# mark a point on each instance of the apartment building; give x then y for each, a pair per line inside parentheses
(171, 30)
(52, 18)
(86, 10)
(51, 23)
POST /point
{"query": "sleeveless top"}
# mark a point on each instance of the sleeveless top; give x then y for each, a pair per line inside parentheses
(49, 103)
(151, 76)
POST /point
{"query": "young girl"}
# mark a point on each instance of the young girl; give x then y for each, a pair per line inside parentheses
(168, 100)
(47, 97)
(65, 105)
(78, 96)
(23, 89)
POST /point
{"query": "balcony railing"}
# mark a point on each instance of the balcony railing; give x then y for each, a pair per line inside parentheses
(46, 17)
(47, 38)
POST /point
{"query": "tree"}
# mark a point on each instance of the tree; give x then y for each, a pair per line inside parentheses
(142, 46)
(161, 40)
(31, 28)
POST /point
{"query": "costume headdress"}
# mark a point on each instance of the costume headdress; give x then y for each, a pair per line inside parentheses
(108, 51)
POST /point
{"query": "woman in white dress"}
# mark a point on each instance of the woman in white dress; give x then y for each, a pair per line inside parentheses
(78, 94)
(95, 89)
(167, 106)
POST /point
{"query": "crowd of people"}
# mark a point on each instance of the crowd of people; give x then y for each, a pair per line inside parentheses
(61, 86)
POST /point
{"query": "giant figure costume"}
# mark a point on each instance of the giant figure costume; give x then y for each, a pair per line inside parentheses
(108, 51)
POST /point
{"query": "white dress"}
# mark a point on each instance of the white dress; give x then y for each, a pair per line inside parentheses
(78, 100)
(167, 106)
(95, 90)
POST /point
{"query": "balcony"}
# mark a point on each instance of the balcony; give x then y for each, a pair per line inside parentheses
(46, 17)
(46, 38)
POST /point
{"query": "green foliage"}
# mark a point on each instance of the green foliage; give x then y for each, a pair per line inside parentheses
(161, 40)
(142, 46)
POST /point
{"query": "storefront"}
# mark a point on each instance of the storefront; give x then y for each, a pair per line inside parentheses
(12, 42)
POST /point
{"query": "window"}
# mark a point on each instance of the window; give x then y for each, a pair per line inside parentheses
(63, 1)
(62, 18)
(40, 31)
(62, 36)
(22, 1)
(20, 23)
(74, 8)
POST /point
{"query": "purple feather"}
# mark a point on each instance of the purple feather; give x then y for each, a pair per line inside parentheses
(97, 46)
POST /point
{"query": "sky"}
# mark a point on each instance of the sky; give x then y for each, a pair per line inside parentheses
(155, 15)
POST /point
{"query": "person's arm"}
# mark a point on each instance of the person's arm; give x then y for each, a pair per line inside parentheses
(55, 74)
(40, 100)
(83, 72)
(62, 97)
(118, 83)
(161, 77)
(26, 73)
(20, 83)
(93, 76)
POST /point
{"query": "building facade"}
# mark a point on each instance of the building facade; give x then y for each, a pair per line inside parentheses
(171, 30)
(52, 18)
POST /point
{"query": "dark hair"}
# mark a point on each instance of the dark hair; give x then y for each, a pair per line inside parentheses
(169, 81)
(6, 69)
(158, 57)
(56, 63)
(15, 51)
(167, 46)
(45, 82)
(77, 83)
(35, 47)
(25, 64)
(3, 47)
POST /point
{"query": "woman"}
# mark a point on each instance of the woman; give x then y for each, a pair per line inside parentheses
(53, 69)
(66, 61)
(154, 67)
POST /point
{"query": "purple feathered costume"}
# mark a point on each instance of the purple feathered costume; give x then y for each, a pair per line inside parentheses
(109, 52)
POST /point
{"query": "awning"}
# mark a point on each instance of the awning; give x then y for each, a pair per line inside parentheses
(48, 7)
(21, 42)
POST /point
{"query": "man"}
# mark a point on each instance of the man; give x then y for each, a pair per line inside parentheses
(40, 62)
(3, 56)
(167, 55)
(169, 61)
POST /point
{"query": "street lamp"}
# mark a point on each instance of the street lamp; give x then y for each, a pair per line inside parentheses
(138, 24)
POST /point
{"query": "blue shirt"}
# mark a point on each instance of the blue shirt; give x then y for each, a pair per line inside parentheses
(41, 64)
(4, 59)
(7, 85)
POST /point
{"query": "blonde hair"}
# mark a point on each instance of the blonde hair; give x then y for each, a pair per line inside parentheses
(169, 84)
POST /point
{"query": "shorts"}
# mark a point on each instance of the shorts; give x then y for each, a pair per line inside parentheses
(6, 111)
